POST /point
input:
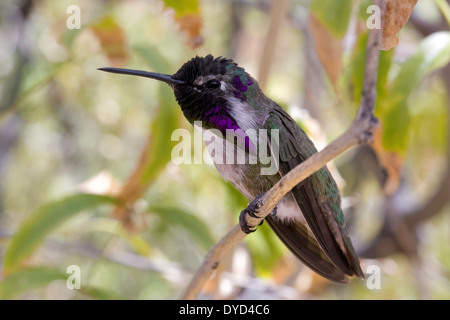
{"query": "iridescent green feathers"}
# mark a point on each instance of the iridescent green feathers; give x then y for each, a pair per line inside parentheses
(318, 198)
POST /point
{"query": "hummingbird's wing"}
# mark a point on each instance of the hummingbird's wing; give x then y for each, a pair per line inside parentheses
(319, 200)
(303, 244)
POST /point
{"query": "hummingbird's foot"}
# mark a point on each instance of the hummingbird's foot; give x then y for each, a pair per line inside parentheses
(244, 226)
(272, 214)
(251, 210)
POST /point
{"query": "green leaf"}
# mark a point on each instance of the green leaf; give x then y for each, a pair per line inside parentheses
(34, 229)
(164, 125)
(265, 249)
(432, 54)
(166, 121)
(396, 128)
(69, 36)
(361, 12)
(191, 223)
(183, 7)
(27, 279)
(189, 19)
(355, 71)
(445, 9)
(38, 277)
(356, 68)
(384, 67)
(335, 15)
(150, 54)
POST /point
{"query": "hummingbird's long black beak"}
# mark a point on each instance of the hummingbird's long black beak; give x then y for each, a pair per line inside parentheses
(152, 75)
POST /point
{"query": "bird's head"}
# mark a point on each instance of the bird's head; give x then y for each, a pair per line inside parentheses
(207, 89)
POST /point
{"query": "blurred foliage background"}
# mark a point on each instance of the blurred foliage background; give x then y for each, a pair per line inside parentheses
(86, 177)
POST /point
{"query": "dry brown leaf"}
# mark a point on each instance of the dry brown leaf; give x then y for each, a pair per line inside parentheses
(396, 15)
(187, 14)
(391, 161)
(132, 191)
(191, 24)
(112, 40)
(328, 48)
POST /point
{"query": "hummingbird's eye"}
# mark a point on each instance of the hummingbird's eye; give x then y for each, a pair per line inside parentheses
(213, 84)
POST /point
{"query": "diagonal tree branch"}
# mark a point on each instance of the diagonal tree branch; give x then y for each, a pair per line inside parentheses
(359, 132)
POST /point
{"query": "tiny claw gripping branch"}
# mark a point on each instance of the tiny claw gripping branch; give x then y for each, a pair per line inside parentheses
(252, 210)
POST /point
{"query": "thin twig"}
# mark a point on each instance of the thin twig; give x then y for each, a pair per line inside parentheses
(445, 9)
(390, 239)
(277, 14)
(359, 132)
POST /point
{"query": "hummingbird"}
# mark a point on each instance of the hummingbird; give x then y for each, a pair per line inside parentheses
(309, 220)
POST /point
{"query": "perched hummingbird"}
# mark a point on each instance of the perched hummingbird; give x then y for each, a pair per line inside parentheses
(309, 219)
